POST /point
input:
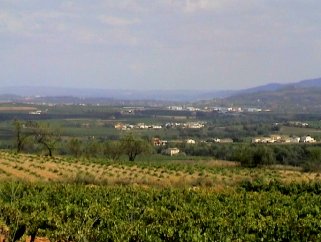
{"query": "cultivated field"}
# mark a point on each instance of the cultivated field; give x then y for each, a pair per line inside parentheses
(212, 174)
(69, 199)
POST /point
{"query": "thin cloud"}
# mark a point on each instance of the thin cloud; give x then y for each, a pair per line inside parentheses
(160, 43)
(10, 23)
(191, 6)
(117, 21)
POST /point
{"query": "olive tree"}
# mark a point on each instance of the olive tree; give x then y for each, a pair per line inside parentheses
(132, 146)
(112, 149)
(75, 147)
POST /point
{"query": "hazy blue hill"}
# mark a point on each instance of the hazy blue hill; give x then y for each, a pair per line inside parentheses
(278, 86)
(164, 95)
(302, 96)
(9, 98)
(241, 96)
(287, 99)
(309, 83)
(263, 88)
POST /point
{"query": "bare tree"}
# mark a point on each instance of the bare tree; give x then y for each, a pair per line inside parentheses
(22, 133)
(46, 136)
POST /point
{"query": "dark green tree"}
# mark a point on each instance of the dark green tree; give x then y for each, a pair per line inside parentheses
(132, 146)
(74, 146)
(263, 155)
(92, 148)
(112, 150)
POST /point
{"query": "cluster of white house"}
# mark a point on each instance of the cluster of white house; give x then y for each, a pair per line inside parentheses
(159, 142)
(183, 108)
(271, 139)
(284, 139)
(226, 109)
(170, 151)
(218, 140)
(193, 125)
(188, 125)
(175, 150)
(297, 124)
(218, 109)
(38, 112)
(121, 126)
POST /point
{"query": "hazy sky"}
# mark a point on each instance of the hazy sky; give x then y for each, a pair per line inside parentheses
(159, 44)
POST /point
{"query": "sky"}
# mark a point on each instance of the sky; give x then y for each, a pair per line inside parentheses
(159, 44)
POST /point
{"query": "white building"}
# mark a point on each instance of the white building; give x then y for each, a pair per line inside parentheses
(307, 139)
(190, 141)
(172, 151)
(156, 127)
(292, 140)
(38, 112)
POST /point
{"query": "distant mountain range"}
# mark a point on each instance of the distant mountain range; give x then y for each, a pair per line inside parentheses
(278, 86)
(303, 95)
(162, 95)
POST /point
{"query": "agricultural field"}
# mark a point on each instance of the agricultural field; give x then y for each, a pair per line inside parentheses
(299, 131)
(99, 121)
(79, 194)
(69, 199)
(210, 174)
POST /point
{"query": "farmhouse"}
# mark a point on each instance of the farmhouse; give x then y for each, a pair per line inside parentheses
(256, 140)
(307, 139)
(284, 139)
(291, 140)
(172, 151)
(263, 140)
(119, 126)
(159, 142)
(194, 125)
(226, 140)
(156, 127)
(190, 141)
(38, 112)
(142, 126)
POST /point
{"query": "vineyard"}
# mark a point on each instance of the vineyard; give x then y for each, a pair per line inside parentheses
(68, 199)
(211, 174)
(65, 212)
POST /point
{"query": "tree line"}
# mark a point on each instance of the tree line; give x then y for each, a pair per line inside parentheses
(33, 136)
(307, 156)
